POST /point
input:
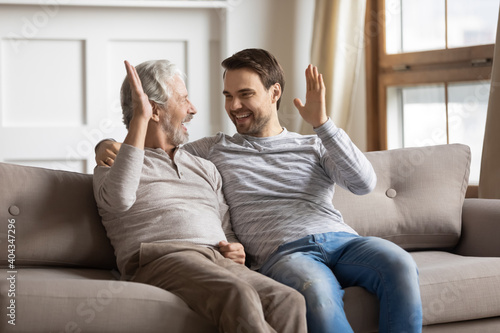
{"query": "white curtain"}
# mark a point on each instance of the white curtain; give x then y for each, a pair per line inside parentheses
(337, 51)
(489, 182)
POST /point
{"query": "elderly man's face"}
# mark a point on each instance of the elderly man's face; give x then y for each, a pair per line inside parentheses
(179, 110)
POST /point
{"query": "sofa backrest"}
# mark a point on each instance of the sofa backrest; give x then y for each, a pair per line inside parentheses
(418, 200)
(55, 219)
(417, 204)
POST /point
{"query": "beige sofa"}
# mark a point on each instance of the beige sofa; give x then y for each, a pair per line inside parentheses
(63, 276)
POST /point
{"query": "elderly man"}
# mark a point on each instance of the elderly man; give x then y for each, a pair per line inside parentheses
(166, 216)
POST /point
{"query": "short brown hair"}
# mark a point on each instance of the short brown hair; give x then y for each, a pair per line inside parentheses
(261, 62)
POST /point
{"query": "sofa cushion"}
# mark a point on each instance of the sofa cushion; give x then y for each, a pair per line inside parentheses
(453, 288)
(54, 216)
(418, 200)
(457, 288)
(488, 325)
(362, 309)
(90, 300)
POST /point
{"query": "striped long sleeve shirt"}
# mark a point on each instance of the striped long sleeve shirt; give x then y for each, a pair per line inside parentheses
(280, 188)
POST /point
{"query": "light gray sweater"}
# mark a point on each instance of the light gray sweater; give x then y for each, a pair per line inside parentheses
(280, 189)
(148, 197)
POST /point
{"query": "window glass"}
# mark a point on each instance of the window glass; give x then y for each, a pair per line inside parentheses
(416, 117)
(467, 108)
(472, 22)
(424, 116)
(393, 26)
(415, 25)
(423, 25)
(394, 118)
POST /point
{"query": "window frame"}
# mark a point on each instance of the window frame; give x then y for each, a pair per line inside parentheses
(472, 63)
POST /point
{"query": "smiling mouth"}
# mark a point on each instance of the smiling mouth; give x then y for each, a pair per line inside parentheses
(241, 118)
(186, 121)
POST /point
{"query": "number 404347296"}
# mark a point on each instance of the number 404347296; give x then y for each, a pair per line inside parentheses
(11, 240)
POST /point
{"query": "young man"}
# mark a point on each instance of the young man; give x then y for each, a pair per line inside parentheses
(279, 186)
(166, 216)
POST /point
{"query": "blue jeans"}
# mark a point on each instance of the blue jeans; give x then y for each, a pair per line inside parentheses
(320, 266)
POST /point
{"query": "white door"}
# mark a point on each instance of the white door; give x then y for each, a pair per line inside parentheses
(61, 69)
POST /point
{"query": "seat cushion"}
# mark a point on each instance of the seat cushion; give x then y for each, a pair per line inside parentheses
(418, 200)
(90, 300)
(457, 288)
(361, 309)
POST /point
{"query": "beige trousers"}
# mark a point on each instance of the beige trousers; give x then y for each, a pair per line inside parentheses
(233, 297)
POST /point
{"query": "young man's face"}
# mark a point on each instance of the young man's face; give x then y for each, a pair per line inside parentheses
(249, 105)
(179, 111)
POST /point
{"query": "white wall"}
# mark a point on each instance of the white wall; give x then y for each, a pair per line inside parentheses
(59, 127)
(61, 68)
(284, 28)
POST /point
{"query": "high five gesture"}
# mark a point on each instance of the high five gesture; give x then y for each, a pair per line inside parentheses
(314, 111)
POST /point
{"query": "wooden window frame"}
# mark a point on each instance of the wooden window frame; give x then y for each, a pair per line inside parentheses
(409, 69)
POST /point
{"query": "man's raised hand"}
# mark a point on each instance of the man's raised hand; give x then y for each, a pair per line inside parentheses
(140, 102)
(142, 107)
(314, 111)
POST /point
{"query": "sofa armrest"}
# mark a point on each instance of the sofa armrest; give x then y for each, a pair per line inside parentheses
(480, 228)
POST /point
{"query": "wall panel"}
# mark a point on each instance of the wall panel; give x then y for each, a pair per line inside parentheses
(61, 68)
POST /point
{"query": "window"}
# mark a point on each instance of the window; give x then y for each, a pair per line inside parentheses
(428, 73)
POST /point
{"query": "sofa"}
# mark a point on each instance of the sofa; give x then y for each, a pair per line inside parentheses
(58, 269)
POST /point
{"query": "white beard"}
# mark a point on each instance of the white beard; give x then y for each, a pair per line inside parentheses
(175, 134)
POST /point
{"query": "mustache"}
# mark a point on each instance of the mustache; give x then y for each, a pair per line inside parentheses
(188, 118)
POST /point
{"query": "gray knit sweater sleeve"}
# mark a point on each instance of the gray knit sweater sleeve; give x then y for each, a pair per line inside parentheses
(345, 164)
(115, 188)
